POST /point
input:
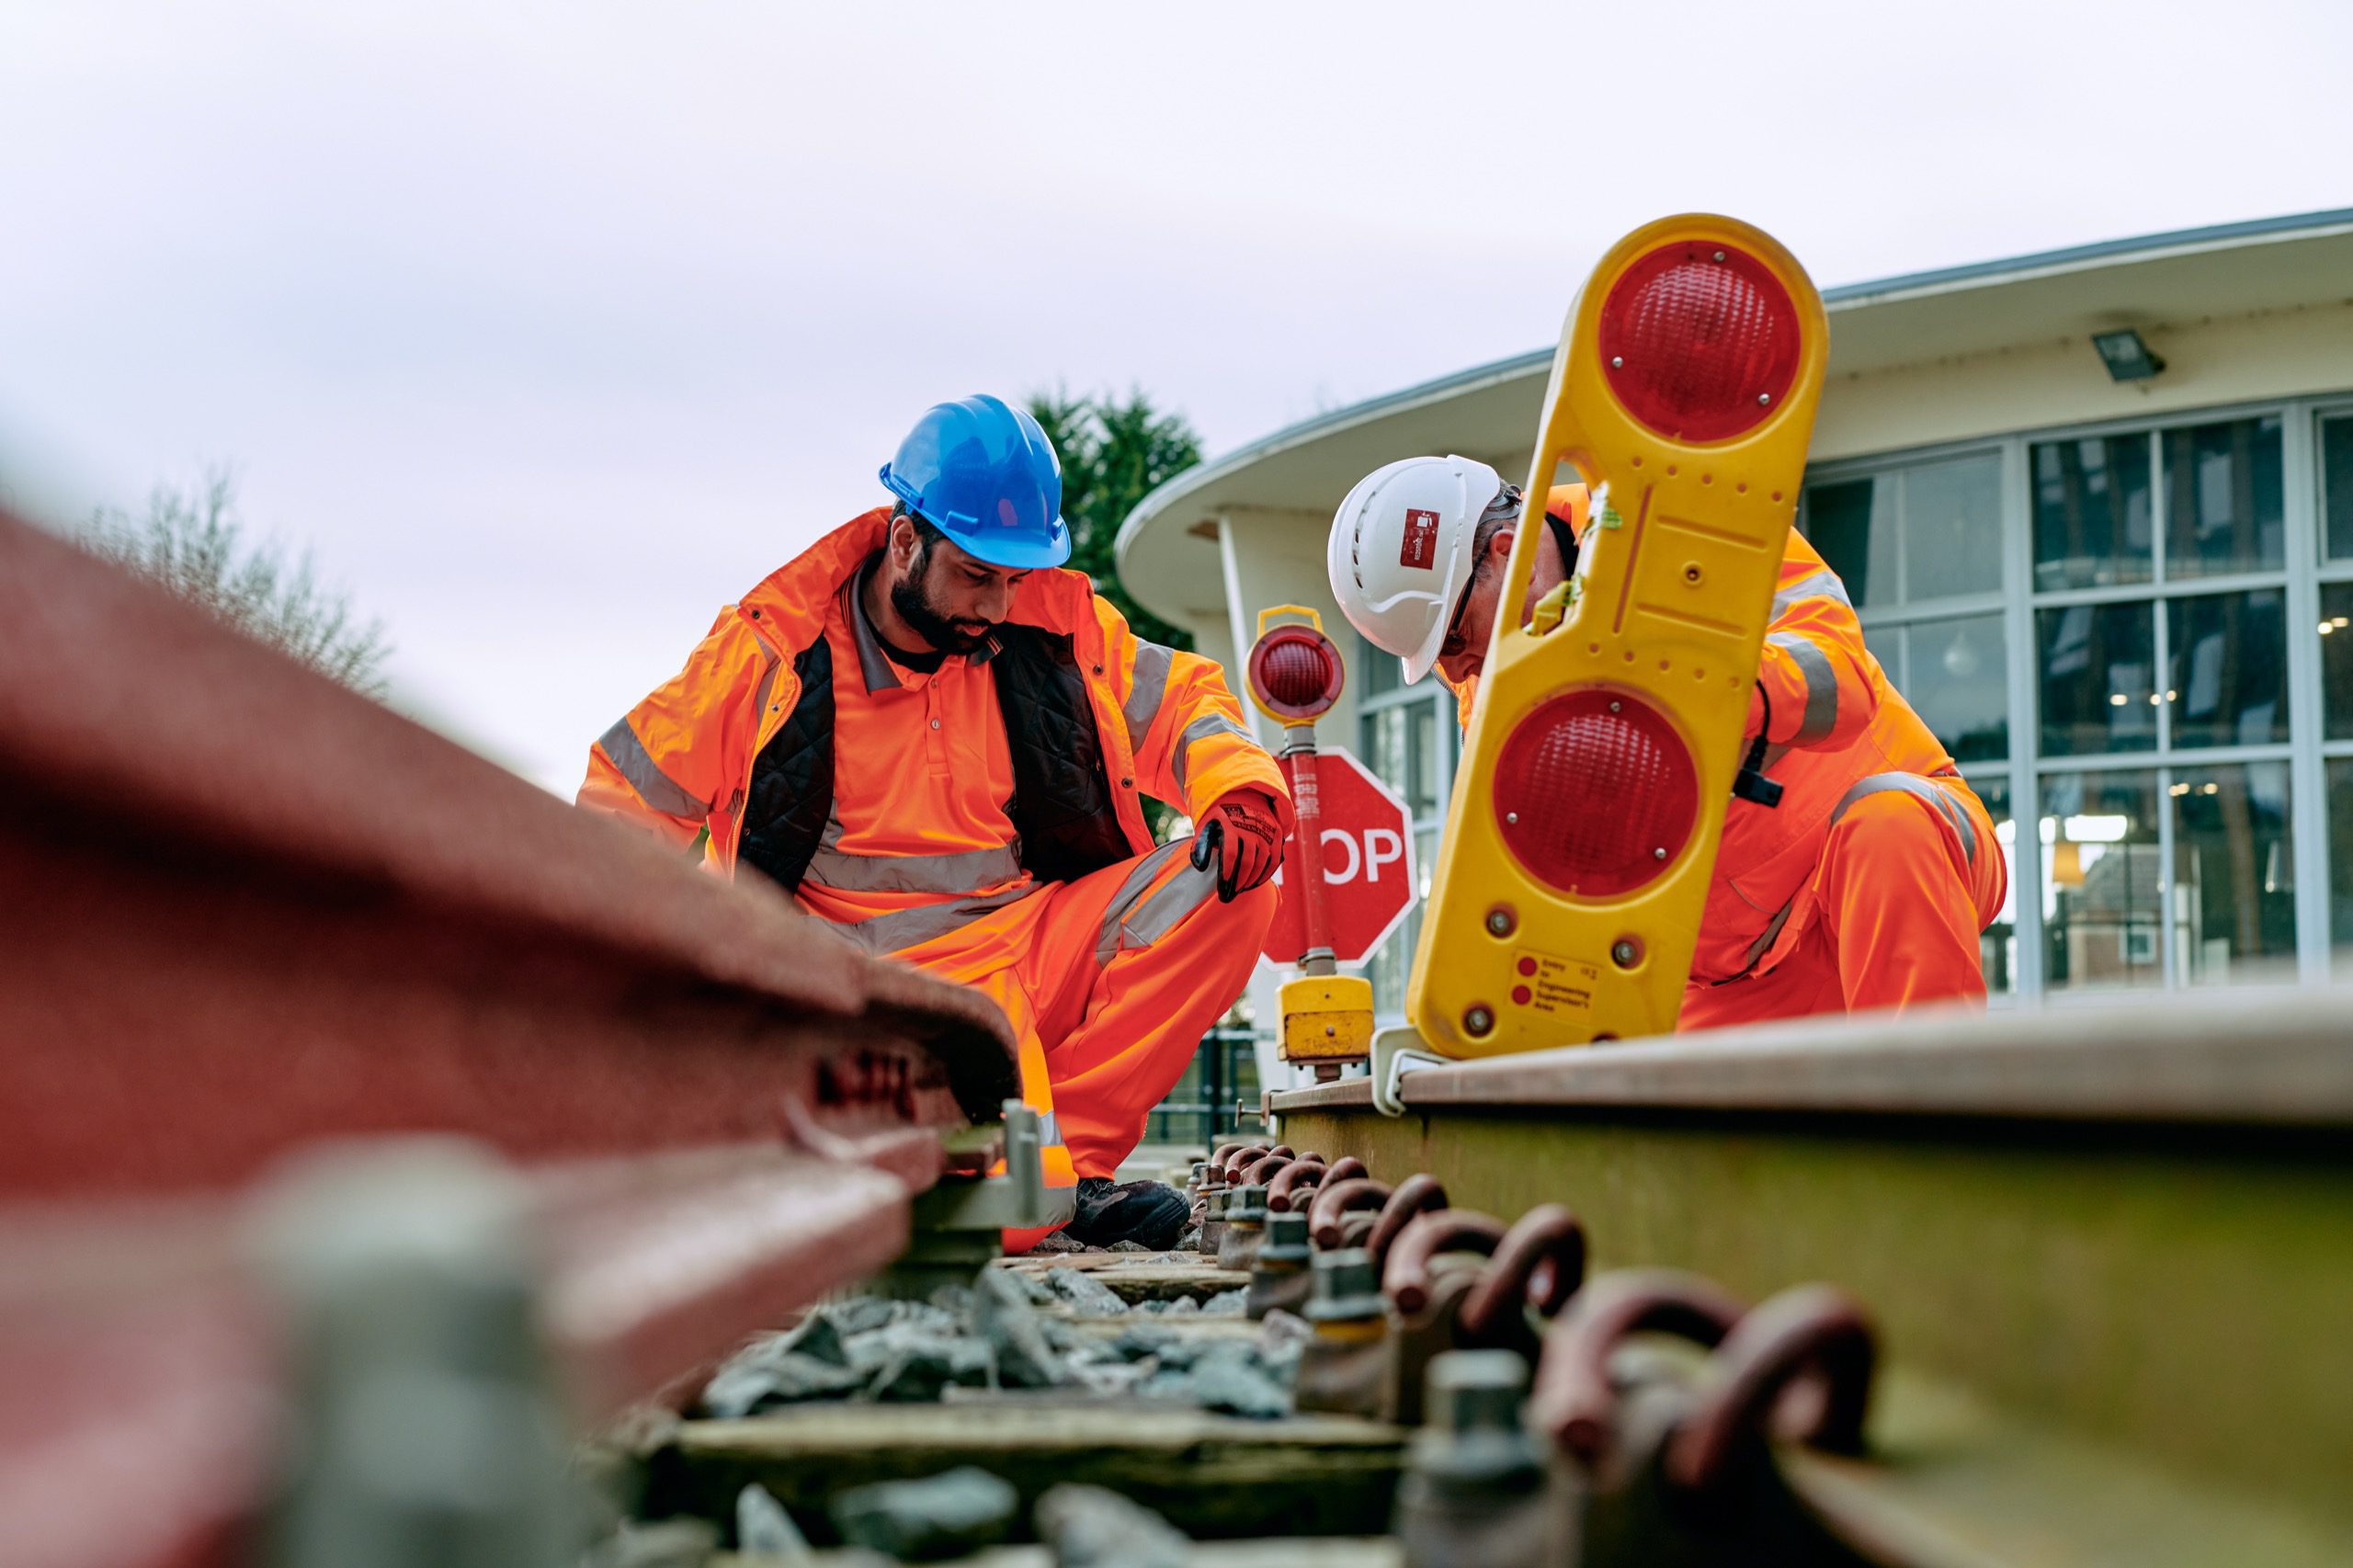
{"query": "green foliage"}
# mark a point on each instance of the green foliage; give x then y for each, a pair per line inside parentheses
(1115, 452)
(191, 543)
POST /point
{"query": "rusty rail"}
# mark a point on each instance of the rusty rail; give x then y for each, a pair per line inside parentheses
(250, 912)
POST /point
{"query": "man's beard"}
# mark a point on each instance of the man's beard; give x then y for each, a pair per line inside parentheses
(914, 604)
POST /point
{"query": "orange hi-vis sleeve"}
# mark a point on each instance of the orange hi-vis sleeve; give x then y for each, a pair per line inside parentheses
(1186, 728)
(1816, 674)
(672, 759)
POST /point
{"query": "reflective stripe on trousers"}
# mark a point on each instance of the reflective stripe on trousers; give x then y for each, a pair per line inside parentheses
(1921, 786)
(1143, 920)
(1915, 784)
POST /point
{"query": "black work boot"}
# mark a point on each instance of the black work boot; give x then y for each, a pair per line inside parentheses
(1150, 1213)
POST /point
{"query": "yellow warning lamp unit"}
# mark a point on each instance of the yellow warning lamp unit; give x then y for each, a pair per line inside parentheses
(1605, 735)
(1294, 676)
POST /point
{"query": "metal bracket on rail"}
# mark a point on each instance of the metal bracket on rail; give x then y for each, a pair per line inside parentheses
(959, 1223)
(1017, 1200)
(1395, 1053)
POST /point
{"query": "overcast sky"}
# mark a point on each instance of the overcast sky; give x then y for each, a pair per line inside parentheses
(552, 328)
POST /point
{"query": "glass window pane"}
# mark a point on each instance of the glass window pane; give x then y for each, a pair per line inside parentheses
(1392, 962)
(2336, 659)
(1401, 747)
(1852, 523)
(1422, 797)
(2091, 511)
(1384, 746)
(2223, 511)
(2228, 656)
(2100, 907)
(1885, 643)
(1952, 527)
(1998, 948)
(2340, 866)
(1379, 671)
(2097, 668)
(2233, 871)
(1959, 684)
(2337, 484)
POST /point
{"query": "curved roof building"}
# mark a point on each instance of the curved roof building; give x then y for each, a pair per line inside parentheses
(2123, 603)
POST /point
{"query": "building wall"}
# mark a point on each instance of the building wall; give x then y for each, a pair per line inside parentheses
(2168, 849)
(2263, 353)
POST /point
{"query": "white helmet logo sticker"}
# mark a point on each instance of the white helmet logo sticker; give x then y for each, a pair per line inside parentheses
(1420, 548)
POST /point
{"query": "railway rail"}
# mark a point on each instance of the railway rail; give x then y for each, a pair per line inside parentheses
(391, 1145)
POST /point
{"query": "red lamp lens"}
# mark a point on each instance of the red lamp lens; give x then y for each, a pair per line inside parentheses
(1296, 673)
(1699, 341)
(1590, 787)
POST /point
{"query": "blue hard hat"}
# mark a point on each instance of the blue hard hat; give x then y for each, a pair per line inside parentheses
(983, 473)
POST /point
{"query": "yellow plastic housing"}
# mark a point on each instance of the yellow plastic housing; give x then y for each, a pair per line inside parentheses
(1673, 596)
(1326, 1018)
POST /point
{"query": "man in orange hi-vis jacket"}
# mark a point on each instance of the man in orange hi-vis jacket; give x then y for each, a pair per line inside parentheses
(1866, 886)
(939, 742)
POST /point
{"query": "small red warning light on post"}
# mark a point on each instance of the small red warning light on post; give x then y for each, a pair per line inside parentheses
(1295, 674)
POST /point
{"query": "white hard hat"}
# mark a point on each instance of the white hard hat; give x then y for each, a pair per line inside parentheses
(1401, 554)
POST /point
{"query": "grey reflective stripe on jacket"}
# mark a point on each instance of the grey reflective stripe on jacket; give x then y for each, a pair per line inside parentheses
(1822, 584)
(965, 871)
(1142, 920)
(655, 788)
(1201, 729)
(1821, 715)
(903, 928)
(1926, 789)
(1147, 687)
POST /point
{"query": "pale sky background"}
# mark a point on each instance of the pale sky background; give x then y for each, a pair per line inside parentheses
(550, 329)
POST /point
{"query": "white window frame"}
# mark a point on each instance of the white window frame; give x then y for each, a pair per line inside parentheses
(2303, 571)
(1432, 691)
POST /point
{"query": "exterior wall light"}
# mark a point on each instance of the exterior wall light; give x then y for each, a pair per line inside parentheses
(2127, 358)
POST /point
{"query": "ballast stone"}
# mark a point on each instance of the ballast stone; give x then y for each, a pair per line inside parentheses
(763, 1528)
(943, 1516)
(1093, 1527)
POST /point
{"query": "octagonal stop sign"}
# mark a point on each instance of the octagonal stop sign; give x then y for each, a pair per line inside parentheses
(1367, 838)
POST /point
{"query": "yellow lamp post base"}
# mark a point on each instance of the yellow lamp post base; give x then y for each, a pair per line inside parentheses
(1328, 1019)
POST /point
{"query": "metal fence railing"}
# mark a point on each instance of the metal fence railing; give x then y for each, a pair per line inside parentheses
(1200, 1106)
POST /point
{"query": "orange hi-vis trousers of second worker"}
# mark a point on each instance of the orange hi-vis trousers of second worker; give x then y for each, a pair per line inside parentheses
(1109, 982)
(1908, 876)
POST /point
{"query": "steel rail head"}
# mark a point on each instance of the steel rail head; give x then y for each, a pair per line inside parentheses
(1405, 1272)
(1803, 1358)
(1574, 1400)
(1419, 1193)
(1336, 1196)
(1539, 1263)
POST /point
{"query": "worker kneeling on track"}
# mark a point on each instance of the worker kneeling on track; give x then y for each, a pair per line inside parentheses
(938, 742)
(1867, 884)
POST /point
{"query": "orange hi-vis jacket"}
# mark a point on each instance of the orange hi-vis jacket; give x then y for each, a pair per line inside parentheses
(1837, 730)
(684, 758)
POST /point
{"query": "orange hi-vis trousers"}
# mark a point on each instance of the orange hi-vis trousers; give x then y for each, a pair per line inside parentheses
(1109, 982)
(1909, 875)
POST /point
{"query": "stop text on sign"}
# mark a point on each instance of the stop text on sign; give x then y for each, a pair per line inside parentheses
(1367, 841)
(1348, 856)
